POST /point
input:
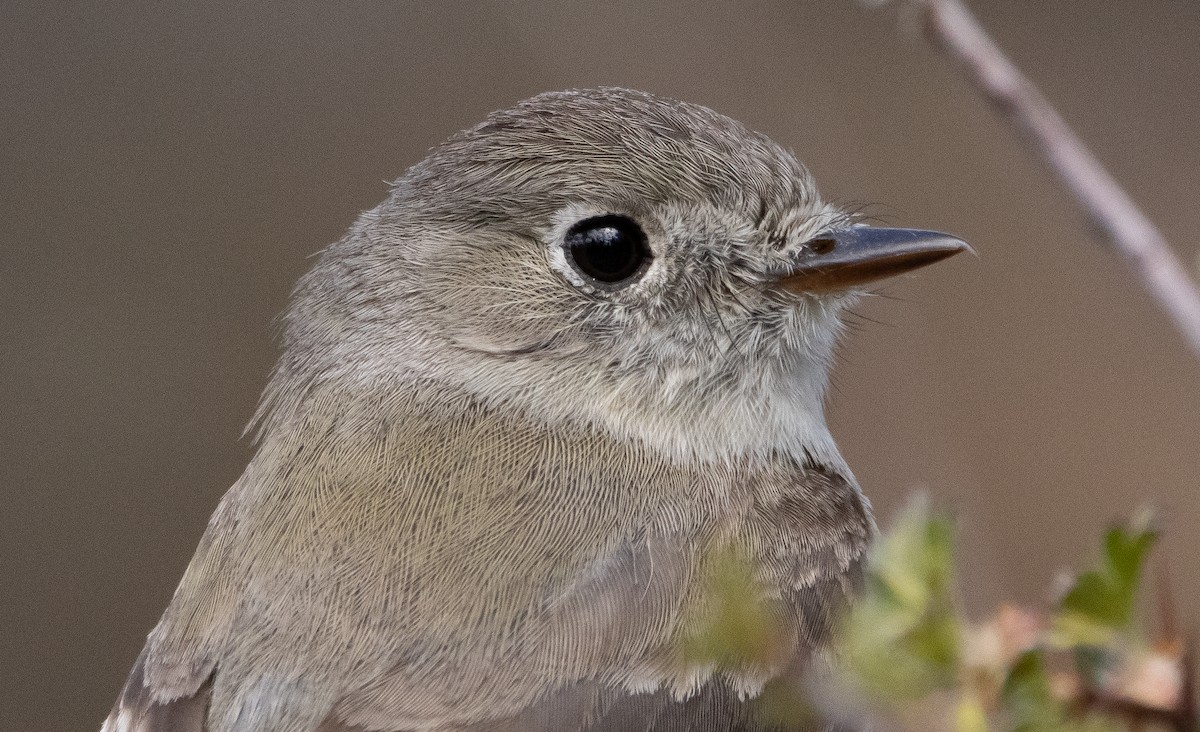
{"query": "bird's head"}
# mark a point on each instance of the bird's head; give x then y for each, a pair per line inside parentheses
(606, 259)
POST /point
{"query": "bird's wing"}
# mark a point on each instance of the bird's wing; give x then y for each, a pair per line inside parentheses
(170, 686)
(374, 582)
(615, 614)
(375, 574)
(810, 538)
(619, 609)
(138, 710)
(615, 666)
(590, 706)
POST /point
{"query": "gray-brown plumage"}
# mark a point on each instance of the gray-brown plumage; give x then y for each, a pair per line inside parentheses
(488, 483)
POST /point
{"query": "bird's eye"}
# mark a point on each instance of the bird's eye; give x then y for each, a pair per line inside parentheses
(610, 249)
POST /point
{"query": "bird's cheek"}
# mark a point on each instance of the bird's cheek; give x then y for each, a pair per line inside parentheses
(506, 319)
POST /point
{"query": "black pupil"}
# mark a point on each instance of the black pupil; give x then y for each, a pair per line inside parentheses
(608, 248)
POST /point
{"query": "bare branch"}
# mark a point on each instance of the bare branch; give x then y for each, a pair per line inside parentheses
(951, 27)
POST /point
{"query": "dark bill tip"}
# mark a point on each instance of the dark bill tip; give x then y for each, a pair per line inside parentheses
(847, 258)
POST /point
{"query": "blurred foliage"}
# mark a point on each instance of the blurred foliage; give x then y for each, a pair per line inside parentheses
(908, 657)
(911, 656)
(735, 629)
(909, 609)
(1099, 608)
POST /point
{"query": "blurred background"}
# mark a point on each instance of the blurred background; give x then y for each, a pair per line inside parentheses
(169, 168)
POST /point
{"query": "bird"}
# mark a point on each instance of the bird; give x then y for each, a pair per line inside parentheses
(580, 350)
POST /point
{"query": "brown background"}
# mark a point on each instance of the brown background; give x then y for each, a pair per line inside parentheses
(168, 168)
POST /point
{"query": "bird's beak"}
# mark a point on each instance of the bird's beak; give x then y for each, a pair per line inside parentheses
(846, 258)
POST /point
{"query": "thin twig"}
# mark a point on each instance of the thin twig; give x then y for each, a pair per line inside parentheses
(1136, 713)
(1168, 615)
(1188, 715)
(952, 28)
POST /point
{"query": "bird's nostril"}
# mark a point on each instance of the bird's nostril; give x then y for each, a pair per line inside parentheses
(823, 245)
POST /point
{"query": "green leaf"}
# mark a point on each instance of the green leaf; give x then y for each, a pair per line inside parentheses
(1126, 552)
(1027, 697)
(902, 638)
(1101, 603)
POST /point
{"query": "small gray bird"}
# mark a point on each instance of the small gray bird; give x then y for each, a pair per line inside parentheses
(578, 352)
